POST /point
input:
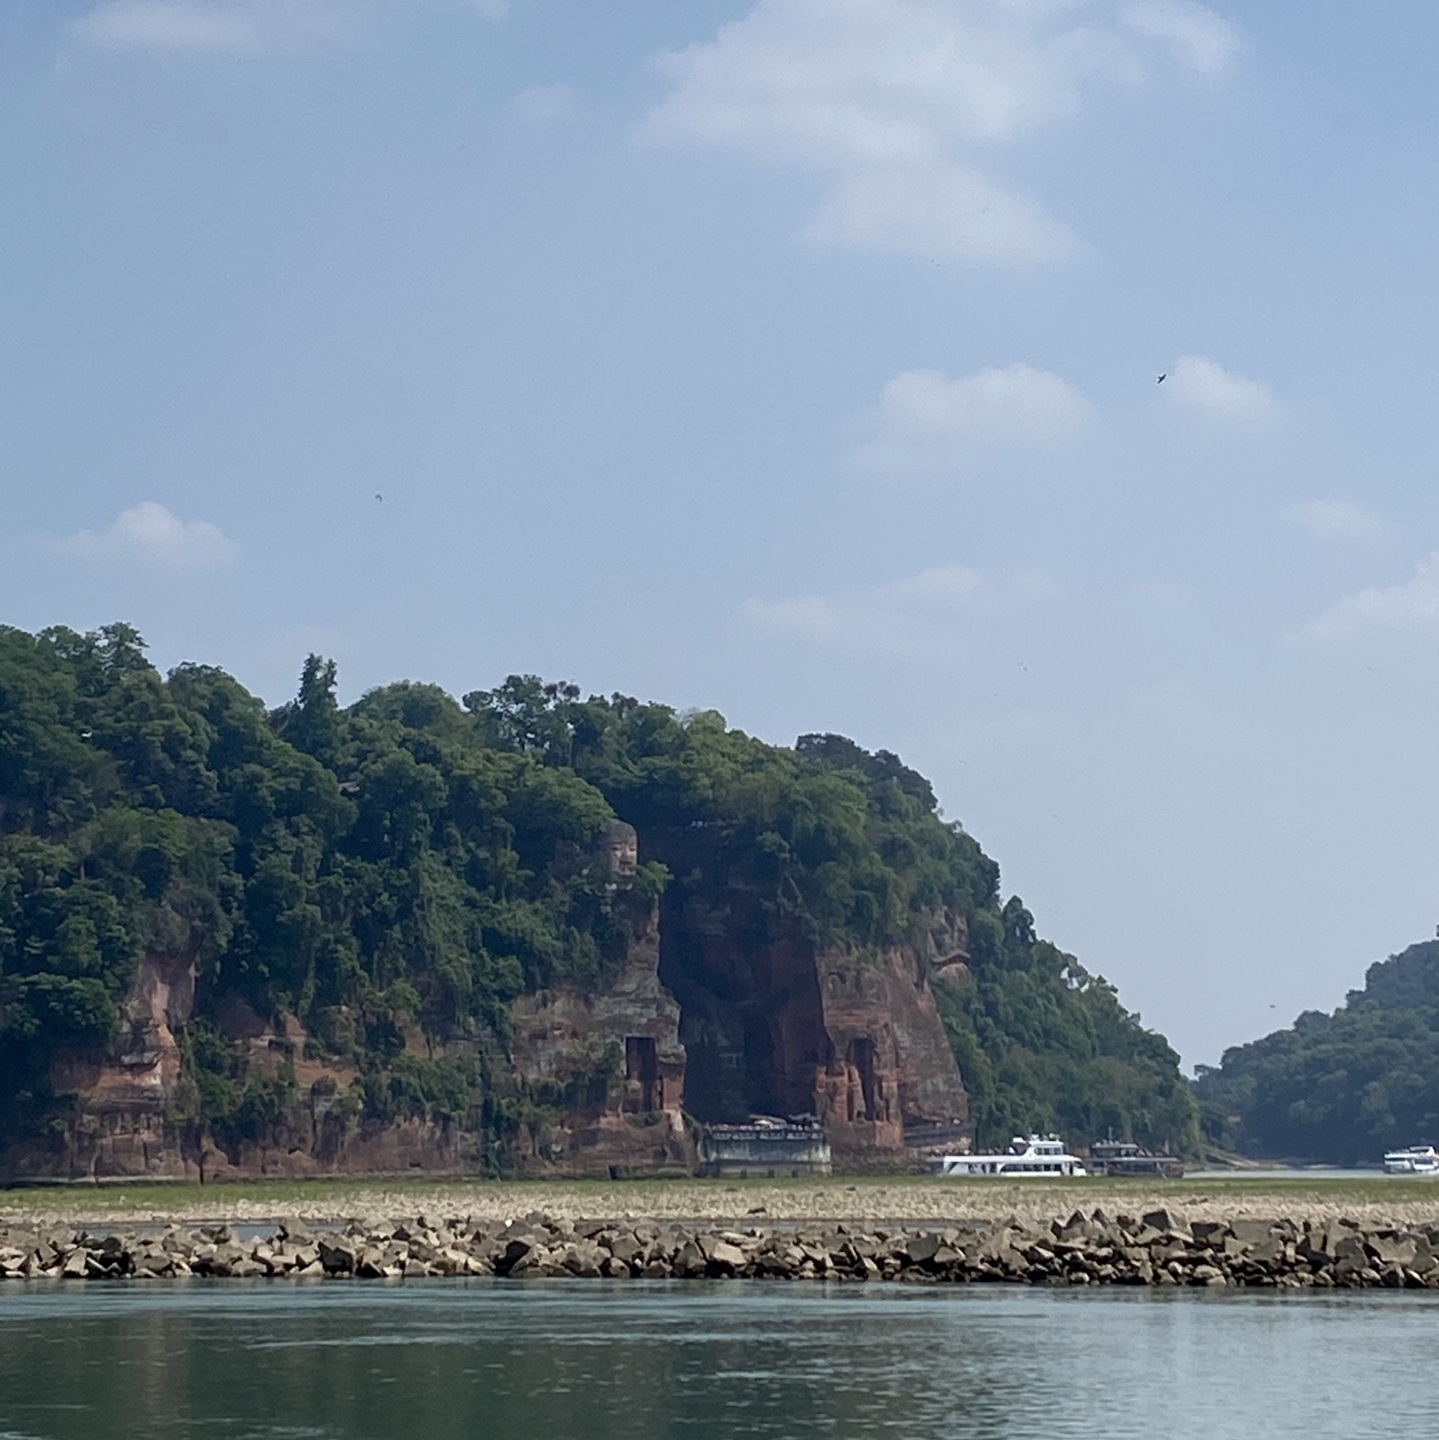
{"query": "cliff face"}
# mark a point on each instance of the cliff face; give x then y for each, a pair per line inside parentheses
(892, 1082)
(117, 1122)
(613, 1065)
(773, 1024)
(126, 1113)
(717, 1009)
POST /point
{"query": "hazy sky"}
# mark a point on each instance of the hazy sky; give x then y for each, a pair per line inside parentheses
(798, 359)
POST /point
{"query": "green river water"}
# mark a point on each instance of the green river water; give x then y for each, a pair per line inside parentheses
(563, 1360)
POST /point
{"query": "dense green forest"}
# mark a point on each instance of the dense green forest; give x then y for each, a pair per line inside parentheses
(407, 865)
(1340, 1088)
(1042, 1044)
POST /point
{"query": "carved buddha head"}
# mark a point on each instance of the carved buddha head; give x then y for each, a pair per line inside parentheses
(618, 853)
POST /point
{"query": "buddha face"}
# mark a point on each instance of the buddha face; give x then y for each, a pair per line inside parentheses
(620, 851)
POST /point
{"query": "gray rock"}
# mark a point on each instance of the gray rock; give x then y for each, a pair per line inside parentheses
(1166, 1221)
(726, 1259)
(1350, 1249)
(1255, 1232)
(1396, 1251)
(921, 1249)
(625, 1247)
(690, 1261)
(336, 1257)
(583, 1258)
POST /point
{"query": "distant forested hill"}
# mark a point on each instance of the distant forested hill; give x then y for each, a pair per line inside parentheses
(1340, 1088)
(394, 875)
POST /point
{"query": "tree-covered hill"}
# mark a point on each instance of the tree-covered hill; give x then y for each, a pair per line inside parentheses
(1043, 1044)
(1340, 1088)
(393, 875)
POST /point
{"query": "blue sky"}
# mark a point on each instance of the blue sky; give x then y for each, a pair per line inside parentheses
(796, 360)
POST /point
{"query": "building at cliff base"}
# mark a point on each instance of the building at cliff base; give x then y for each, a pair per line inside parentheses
(765, 1147)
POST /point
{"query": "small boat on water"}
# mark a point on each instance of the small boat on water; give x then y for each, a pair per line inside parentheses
(1029, 1157)
(1123, 1157)
(1415, 1160)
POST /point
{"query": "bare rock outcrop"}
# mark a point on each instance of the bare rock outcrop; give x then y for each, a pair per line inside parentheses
(774, 1024)
(615, 1057)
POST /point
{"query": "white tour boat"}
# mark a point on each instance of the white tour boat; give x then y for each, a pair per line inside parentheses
(1416, 1160)
(1028, 1157)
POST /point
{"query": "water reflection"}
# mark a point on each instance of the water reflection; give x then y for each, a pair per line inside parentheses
(597, 1362)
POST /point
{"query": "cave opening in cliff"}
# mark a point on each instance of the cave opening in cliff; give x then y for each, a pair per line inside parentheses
(751, 1012)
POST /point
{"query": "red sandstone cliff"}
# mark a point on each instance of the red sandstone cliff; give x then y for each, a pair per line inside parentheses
(718, 1010)
(126, 1119)
(774, 1024)
(616, 1057)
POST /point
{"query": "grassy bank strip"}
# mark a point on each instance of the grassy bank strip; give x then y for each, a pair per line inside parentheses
(1367, 1199)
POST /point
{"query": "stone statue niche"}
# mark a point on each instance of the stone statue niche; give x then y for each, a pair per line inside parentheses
(617, 856)
(561, 1030)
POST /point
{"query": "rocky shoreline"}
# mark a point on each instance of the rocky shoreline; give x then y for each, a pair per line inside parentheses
(1158, 1248)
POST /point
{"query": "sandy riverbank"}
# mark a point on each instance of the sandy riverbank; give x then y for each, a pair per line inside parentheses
(1367, 1200)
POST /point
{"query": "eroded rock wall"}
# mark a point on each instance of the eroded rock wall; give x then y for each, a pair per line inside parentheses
(616, 1059)
(125, 1119)
(773, 1024)
(718, 1009)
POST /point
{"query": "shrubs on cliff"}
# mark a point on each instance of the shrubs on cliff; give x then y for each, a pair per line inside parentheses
(845, 844)
(381, 881)
(1340, 1088)
(380, 874)
(1045, 1045)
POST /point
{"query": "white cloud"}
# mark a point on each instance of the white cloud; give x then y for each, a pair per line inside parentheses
(1205, 385)
(917, 615)
(1411, 607)
(1335, 520)
(150, 533)
(926, 419)
(942, 209)
(882, 96)
(1196, 35)
(244, 27)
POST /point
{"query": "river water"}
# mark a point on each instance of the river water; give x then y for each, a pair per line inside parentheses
(562, 1360)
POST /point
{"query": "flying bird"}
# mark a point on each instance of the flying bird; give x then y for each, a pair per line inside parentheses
(378, 496)
(1162, 378)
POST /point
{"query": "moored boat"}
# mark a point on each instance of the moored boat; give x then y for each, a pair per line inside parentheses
(1124, 1157)
(1413, 1160)
(1029, 1157)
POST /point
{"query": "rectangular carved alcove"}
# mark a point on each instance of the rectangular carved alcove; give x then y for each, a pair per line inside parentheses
(642, 1073)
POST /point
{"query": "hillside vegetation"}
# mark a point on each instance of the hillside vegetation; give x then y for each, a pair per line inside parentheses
(395, 873)
(1340, 1088)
